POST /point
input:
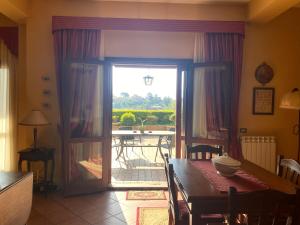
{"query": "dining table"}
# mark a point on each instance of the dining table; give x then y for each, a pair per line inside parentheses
(202, 196)
(137, 133)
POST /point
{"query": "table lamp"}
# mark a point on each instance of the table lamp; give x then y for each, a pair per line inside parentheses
(35, 118)
(291, 100)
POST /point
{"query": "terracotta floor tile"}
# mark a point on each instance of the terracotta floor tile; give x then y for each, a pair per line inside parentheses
(95, 216)
(128, 216)
(111, 221)
(59, 216)
(98, 209)
(38, 220)
(115, 209)
(74, 221)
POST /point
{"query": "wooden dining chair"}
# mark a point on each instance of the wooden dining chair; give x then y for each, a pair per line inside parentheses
(288, 169)
(205, 152)
(268, 207)
(178, 211)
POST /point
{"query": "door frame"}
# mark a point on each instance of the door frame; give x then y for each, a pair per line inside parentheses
(181, 64)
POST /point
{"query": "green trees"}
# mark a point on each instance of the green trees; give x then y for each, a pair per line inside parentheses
(152, 109)
(152, 117)
(125, 101)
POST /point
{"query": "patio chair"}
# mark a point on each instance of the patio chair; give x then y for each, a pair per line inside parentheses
(166, 142)
(116, 144)
(130, 140)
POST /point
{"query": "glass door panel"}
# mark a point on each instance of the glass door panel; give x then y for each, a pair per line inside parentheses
(85, 161)
(85, 169)
(196, 127)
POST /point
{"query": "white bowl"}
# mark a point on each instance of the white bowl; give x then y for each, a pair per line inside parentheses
(226, 166)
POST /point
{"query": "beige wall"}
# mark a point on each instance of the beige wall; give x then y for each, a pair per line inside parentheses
(276, 43)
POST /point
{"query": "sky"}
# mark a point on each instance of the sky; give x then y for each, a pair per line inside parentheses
(131, 80)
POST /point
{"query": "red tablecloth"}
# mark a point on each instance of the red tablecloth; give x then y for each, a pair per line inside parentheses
(242, 181)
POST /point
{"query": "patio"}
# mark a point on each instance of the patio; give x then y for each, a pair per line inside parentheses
(138, 167)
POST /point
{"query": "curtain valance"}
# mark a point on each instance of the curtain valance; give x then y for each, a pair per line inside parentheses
(9, 35)
(100, 23)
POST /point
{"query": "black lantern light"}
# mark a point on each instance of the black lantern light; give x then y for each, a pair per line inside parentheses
(148, 80)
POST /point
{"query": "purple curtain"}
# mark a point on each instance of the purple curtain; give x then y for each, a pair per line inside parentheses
(76, 89)
(223, 89)
(68, 45)
(10, 36)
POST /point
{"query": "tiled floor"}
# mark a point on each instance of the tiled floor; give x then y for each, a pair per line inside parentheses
(108, 208)
(138, 167)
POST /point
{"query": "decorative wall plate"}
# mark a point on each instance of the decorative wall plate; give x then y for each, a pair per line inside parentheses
(264, 73)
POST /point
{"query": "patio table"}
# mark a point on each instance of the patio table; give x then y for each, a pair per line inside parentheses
(147, 133)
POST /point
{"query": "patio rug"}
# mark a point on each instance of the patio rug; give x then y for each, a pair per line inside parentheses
(152, 216)
(145, 195)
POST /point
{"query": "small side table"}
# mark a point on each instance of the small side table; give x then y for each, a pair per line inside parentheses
(39, 154)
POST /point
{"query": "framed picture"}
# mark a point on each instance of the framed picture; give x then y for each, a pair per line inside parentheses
(263, 101)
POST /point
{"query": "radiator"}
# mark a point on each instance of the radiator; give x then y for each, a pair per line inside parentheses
(260, 150)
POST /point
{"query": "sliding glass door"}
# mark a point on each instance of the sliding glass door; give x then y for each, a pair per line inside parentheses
(86, 127)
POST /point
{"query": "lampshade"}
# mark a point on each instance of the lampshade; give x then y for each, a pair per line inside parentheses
(35, 118)
(291, 100)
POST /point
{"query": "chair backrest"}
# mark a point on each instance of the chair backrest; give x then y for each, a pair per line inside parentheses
(173, 202)
(129, 137)
(289, 169)
(268, 207)
(170, 138)
(206, 152)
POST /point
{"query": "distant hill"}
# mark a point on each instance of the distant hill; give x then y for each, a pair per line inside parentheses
(125, 101)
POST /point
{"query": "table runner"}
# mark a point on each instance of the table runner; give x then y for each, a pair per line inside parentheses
(242, 181)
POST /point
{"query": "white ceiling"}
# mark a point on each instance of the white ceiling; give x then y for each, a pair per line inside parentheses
(183, 1)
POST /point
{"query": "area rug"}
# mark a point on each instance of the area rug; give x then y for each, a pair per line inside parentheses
(145, 195)
(152, 216)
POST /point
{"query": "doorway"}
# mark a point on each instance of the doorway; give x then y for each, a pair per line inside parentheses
(143, 123)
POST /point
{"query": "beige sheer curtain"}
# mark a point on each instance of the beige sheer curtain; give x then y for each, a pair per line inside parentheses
(7, 109)
(199, 98)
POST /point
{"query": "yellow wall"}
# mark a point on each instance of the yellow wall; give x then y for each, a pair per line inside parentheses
(24, 138)
(40, 53)
(5, 22)
(275, 43)
(16, 10)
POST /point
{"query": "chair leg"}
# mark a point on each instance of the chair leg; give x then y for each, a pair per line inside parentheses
(170, 152)
(171, 222)
(142, 151)
(156, 154)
